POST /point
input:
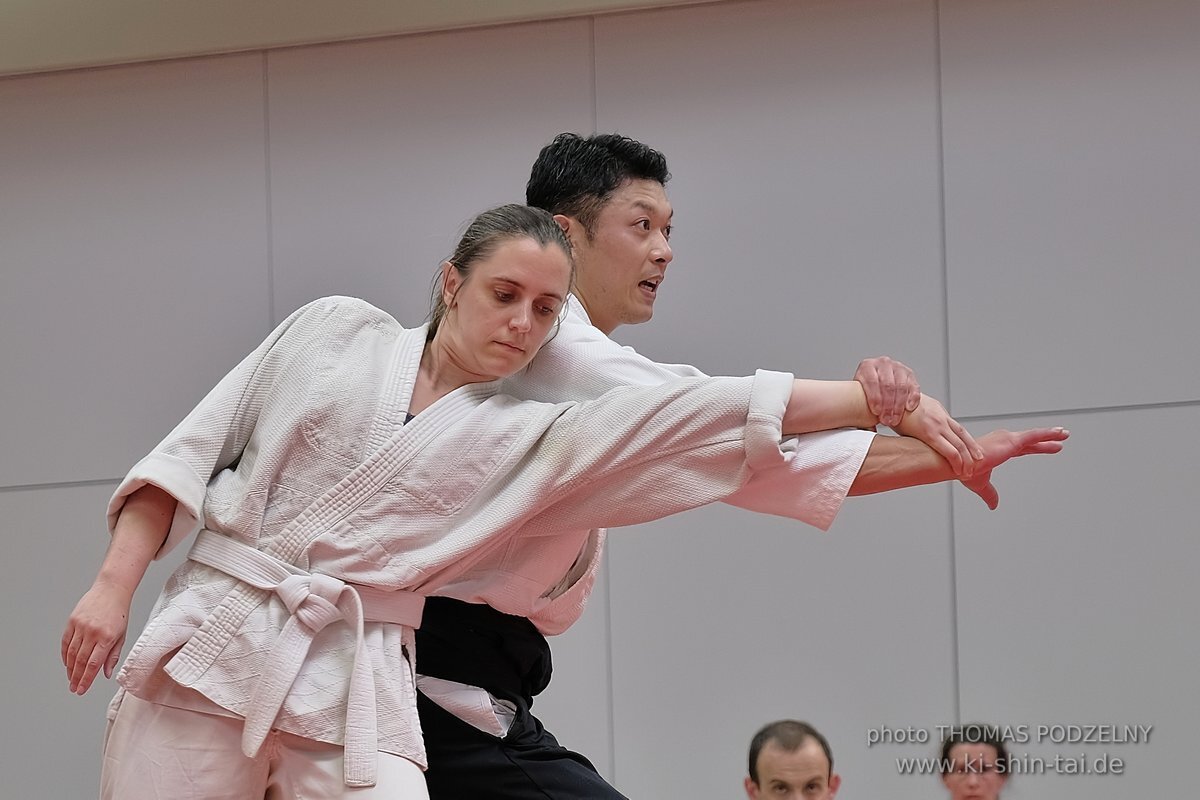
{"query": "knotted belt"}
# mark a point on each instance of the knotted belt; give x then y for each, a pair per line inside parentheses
(314, 601)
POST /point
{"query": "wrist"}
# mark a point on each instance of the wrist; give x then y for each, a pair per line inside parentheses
(867, 420)
(114, 586)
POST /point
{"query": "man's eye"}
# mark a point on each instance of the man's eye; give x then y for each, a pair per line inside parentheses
(667, 231)
(644, 224)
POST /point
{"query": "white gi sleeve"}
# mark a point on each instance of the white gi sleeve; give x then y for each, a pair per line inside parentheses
(642, 453)
(213, 436)
(808, 484)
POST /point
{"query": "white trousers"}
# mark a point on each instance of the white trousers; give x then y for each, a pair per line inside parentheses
(155, 752)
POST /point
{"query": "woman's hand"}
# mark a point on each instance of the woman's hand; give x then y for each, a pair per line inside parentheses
(95, 633)
(930, 423)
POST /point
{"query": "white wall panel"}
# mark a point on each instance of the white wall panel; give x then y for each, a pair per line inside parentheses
(59, 34)
(724, 621)
(802, 138)
(1078, 604)
(382, 151)
(1072, 200)
(133, 249)
(803, 141)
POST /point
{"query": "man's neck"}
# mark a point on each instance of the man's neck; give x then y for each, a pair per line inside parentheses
(606, 326)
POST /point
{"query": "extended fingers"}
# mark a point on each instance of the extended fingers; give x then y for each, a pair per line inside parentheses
(973, 447)
(966, 458)
(1043, 440)
(86, 655)
(91, 665)
(114, 656)
(65, 644)
(77, 665)
(948, 450)
(986, 491)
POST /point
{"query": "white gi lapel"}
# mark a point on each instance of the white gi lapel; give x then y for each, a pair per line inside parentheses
(388, 455)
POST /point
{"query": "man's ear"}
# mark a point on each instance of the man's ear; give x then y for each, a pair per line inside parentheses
(576, 232)
(751, 788)
(835, 781)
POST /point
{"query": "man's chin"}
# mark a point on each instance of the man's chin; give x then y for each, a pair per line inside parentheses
(641, 314)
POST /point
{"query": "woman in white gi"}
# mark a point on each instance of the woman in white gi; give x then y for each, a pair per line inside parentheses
(348, 468)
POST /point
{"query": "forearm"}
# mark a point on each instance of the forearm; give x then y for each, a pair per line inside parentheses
(826, 405)
(897, 462)
(139, 534)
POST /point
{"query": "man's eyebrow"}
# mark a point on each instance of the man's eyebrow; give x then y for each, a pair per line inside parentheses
(647, 206)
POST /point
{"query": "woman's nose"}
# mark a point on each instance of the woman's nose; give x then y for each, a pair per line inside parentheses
(520, 320)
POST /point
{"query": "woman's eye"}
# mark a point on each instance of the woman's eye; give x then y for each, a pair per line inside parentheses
(547, 311)
(503, 297)
(644, 224)
(667, 231)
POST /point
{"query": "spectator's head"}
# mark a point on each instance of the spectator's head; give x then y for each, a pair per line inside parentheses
(791, 759)
(974, 762)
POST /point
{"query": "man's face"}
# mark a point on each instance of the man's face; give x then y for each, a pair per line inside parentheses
(621, 265)
(802, 774)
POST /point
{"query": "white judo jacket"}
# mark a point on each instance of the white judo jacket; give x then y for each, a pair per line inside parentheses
(300, 461)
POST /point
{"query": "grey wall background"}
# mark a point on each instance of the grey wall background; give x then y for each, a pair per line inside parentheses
(1003, 194)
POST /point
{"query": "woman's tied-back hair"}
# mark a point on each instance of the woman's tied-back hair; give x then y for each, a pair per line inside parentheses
(485, 234)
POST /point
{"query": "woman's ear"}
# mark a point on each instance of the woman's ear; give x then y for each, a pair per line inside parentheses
(451, 281)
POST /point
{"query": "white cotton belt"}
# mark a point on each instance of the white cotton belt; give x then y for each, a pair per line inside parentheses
(314, 600)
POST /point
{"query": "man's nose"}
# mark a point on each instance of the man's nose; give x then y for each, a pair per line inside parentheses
(662, 252)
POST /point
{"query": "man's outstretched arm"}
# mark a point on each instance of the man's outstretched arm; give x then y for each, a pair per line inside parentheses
(896, 462)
